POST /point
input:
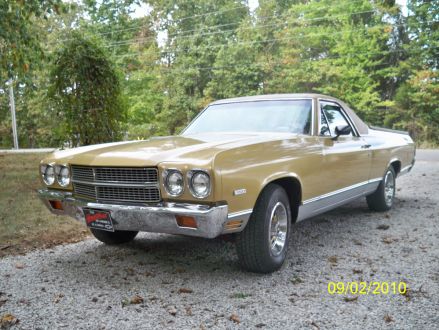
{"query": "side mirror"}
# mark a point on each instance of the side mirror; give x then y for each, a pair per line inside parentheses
(342, 130)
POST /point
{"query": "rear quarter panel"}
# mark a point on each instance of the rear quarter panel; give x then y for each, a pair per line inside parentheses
(387, 147)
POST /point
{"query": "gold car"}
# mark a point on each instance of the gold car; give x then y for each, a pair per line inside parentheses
(251, 166)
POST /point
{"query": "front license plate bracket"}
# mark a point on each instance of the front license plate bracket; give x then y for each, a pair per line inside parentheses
(98, 219)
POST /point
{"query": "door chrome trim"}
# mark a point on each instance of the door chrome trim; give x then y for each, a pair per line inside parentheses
(329, 201)
(339, 191)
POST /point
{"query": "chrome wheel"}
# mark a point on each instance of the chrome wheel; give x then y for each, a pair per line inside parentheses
(278, 228)
(389, 188)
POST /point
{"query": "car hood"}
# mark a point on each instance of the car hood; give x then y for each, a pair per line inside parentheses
(196, 149)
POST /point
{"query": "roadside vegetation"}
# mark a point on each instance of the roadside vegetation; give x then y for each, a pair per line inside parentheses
(25, 223)
(87, 71)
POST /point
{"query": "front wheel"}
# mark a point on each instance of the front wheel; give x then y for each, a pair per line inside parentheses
(382, 199)
(113, 238)
(262, 246)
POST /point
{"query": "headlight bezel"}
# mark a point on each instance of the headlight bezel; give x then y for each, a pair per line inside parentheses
(58, 171)
(44, 168)
(191, 175)
(166, 174)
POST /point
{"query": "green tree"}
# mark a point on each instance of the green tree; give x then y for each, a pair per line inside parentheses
(86, 92)
(196, 30)
(19, 41)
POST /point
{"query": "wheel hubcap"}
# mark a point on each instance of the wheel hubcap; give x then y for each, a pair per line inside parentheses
(389, 188)
(278, 228)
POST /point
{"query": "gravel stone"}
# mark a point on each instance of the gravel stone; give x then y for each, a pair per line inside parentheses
(85, 285)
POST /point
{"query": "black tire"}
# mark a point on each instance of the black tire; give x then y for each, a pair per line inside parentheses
(113, 238)
(382, 199)
(253, 244)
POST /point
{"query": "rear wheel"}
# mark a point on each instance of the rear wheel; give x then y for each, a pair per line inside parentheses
(382, 199)
(113, 238)
(262, 246)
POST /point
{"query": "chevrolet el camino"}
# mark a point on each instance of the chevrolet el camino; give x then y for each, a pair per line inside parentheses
(249, 166)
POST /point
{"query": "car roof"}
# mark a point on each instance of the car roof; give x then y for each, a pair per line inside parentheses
(274, 97)
(362, 128)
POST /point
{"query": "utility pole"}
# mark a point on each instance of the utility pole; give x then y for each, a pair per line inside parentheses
(12, 105)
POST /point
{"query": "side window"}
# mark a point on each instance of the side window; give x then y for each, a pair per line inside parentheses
(333, 117)
(324, 127)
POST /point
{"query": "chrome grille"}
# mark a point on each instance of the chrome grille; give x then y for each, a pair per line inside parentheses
(114, 174)
(116, 184)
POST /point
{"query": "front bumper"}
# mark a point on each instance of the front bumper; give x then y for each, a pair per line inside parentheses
(211, 221)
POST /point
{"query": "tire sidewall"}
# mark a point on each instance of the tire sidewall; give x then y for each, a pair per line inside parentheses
(278, 195)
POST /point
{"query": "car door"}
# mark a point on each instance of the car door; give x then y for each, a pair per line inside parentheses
(346, 159)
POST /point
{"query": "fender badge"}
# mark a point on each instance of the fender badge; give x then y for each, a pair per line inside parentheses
(238, 192)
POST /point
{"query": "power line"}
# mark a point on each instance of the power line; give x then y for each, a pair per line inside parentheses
(296, 37)
(207, 27)
(175, 20)
(192, 36)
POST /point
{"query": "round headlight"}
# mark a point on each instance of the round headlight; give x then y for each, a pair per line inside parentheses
(49, 175)
(174, 183)
(63, 176)
(199, 184)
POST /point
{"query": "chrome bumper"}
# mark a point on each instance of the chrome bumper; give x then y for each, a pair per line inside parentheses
(211, 221)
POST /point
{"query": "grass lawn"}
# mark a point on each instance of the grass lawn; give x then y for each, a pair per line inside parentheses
(25, 223)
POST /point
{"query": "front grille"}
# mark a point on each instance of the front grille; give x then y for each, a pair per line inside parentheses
(115, 174)
(115, 184)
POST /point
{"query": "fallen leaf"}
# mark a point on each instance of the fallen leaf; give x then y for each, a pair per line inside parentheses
(7, 321)
(188, 310)
(296, 280)
(179, 270)
(350, 299)
(136, 300)
(357, 242)
(130, 271)
(3, 301)
(19, 265)
(185, 290)
(234, 318)
(58, 298)
(333, 259)
(383, 227)
(172, 310)
(315, 325)
(388, 240)
(388, 318)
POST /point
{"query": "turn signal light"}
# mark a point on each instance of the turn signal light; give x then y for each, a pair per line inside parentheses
(57, 205)
(185, 221)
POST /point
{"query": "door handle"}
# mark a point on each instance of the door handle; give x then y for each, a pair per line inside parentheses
(365, 146)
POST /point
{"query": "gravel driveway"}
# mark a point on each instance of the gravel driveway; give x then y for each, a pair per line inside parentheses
(163, 281)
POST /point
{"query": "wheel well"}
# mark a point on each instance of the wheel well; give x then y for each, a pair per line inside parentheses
(294, 191)
(396, 166)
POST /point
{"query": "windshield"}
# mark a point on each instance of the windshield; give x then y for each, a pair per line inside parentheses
(292, 116)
